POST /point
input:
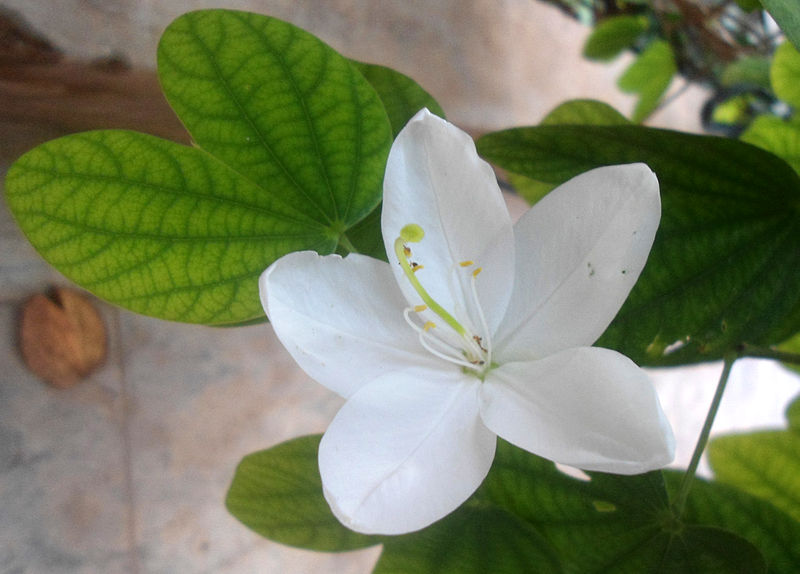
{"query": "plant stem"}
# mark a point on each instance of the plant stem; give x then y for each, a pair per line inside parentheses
(345, 242)
(702, 441)
(747, 350)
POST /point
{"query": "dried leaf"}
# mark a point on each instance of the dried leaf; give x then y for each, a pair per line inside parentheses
(62, 338)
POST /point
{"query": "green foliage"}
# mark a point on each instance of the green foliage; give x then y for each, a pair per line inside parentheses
(777, 136)
(474, 540)
(614, 35)
(291, 148)
(281, 108)
(785, 73)
(748, 70)
(401, 95)
(527, 512)
(162, 229)
(649, 77)
(787, 16)
(725, 266)
(765, 464)
(715, 505)
(573, 112)
(278, 494)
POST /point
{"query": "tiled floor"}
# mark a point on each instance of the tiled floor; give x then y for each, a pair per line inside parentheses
(127, 472)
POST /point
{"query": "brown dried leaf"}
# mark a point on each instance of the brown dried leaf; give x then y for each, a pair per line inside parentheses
(62, 338)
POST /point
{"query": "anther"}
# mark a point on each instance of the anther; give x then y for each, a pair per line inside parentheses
(428, 326)
(420, 308)
(477, 270)
(466, 263)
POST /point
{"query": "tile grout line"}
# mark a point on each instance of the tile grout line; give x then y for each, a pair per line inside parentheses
(127, 451)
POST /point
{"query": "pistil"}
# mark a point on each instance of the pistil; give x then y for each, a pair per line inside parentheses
(476, 354)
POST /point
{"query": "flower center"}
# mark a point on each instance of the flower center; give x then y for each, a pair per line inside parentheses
(472, 352)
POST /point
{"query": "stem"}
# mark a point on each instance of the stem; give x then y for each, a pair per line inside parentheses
(702, 441)
(345, 242)
(747, 350)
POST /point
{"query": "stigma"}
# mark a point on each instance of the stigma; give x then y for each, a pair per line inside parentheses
(440, 332)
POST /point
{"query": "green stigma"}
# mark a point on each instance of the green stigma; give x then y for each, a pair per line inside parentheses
(412, 233)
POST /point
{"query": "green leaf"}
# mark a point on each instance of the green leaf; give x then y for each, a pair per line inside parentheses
(573, 112)
(787, 16)
(401, 96)
(611, 523)
(765, 464)
(613, 35)
(725, 266)
(472, 540)
(154, 226)
(649, 77)
(280, 107)
(278, 494)
(584, 112)
(785, 74)
(293, 143)
(772, 532)
(793, 415)
(791, 345)
(777, 136)
(749, 70)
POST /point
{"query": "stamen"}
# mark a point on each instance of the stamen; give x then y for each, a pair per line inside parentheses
(481, 318)
(448, 352)
(413, 233)
(470, 352)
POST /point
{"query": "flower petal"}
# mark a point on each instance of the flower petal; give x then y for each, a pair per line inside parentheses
(333, 313)
(590, 408)
(435, 179)
(579, 252)
(405, 451)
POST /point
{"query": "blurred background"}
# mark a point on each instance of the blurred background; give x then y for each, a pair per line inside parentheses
(127, 471)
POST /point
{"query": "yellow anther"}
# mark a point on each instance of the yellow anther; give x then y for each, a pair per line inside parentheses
(477, 270)
(428, 326)
(416, 267)
(406, 250)
(466, 263)
(420, 308)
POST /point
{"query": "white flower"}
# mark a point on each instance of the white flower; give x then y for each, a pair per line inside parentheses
(476, 328)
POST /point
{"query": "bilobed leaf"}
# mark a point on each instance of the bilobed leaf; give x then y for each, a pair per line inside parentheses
(156, 227)
(765, 464)
(572, 112)
(472, 540)
(401, 96)
(649, 77)
(725, 265)
(777, 136)
(613, 35)
(785, 73)
(292, 143)
(611, 523)
(787, 16)
(281, 108)
(278, 494)
(775, 534)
